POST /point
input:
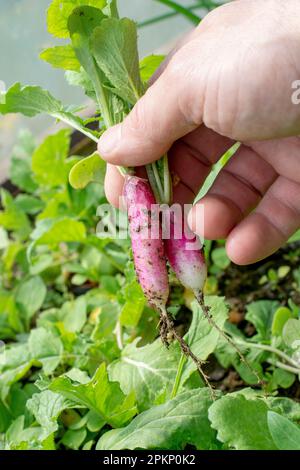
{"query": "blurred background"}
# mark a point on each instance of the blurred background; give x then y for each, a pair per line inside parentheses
(23, 35)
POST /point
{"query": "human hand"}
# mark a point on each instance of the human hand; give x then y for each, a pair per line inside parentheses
(230, 81)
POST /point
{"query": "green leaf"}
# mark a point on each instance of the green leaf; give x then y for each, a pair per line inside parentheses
(173, 425)
(261, 314)
(291, 333)
(286, 434)
(20, 167)
(74, 439)
(281, 316)
(88, 170)
(49, 159)
(74, 314)
(134, 304)
(29, 100)
(242, 423)
(15, 362)
(82, 80)
(220, 258)
(46, 348)
(33, 100)
(59, 12)
(61, 57)
(21, 174)
(30, 296)
(94, 422)
(4, 240)
(285, 406)
(202, 337)
(29, 204)
(112, 8)
(46, 408)
(5, 417)
(81, 24)
(149, 65)
(114, 45)
(149, 371)
(283, 378)
(100, 395)
(12, 218)
(54, 231)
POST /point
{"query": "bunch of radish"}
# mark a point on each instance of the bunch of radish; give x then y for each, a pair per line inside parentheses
(151, 253)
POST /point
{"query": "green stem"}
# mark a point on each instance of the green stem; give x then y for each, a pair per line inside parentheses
(265, 347)
(283, 366)
(182, 10)
(152, 180)
(104, 107)
(77, 127)
(167, 181)
(178, 376)
(118, 333)
(209, 5)
(114, 9)
(102, 101)
(158, 181)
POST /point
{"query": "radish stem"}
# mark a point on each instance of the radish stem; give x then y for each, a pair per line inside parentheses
(158, 181)
(167, 181)
(283, 366)
(152, 180)
(178, 376)
(265, 347)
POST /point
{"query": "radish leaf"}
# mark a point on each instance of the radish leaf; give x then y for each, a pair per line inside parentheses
(33, 100)
(149, 371)
(286, 434)
(60, 10)
(149, 65)
(114, 45)
(62, 57)
(100, 395)
(49, 159)
(242, 423)
(173, 425)
(87, 170)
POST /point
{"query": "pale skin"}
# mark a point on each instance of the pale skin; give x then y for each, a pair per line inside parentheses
(229, 81)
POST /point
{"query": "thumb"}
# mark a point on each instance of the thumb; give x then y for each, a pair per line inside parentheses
(161, 116)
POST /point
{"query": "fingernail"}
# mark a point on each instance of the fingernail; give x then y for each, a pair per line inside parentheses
(190, 220)
(196, 219)
(109, 141)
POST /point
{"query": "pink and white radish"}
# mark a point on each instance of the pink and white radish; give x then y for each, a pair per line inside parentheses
(148, 252)
(185, 255)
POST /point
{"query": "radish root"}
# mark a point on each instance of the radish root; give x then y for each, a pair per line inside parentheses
(168, 333)
(206, 312)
